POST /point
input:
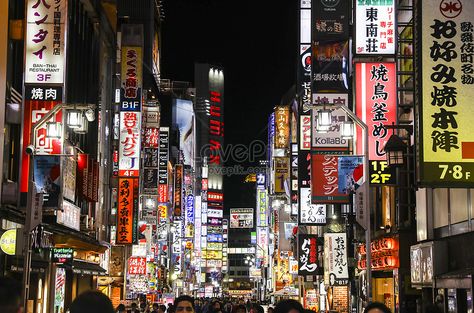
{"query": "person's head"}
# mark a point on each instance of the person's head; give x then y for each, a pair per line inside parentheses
(270, 309)
(289, 306)
(10, 295)
(256, 308)
(162, 308)
(240, 308)
(120, 308)
(216, 306)
(134, 305)
(91, 302)
(184, 304)
(376, 307)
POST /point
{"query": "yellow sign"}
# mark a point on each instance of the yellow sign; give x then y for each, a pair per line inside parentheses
(8, 242)
(447, 139)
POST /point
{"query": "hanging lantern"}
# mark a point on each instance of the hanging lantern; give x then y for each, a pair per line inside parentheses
(347, 130)
(325, 117)
(395, 149)
(54, 130)
(74, 119)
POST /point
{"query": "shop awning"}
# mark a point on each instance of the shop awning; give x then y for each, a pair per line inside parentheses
(86, 268)
(70, 238)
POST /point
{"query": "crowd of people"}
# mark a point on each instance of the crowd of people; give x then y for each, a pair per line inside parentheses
(97, 302)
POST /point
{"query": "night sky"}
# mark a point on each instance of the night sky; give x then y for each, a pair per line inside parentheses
(256, 43)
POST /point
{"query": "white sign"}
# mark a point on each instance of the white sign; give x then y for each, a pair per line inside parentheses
(241, 218)
(360, 199)
(305, 132)
(69, 216)
(314, 214)
(333, 137)
(219, 213)
(335, 259)
(45, 41)
(375, 27)
(129, 151)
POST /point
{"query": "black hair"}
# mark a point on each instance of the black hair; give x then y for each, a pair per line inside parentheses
(91, 302)
(10, 295)
(377, 305)
(258, 308)
(239, 307)
(120, 307)
(287, 305)
(184, 298)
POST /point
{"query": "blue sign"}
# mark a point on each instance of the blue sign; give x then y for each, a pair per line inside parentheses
(214, 238)
(190, 209)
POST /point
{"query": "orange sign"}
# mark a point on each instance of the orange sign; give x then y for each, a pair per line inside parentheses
(127, 206)
(282, 127)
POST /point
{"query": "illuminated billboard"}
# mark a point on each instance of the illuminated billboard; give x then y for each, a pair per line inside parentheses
(241, 218)
(445, 119)
(375, 26)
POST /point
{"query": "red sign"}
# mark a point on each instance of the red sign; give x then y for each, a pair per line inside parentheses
(34, 110)
(178, 189)
(324, 180)
(162, 193)
(305, 132)
(87, 178)
(376, 104)
(127, 198)
(151, 137)
(136, 266)
(216, 128)
(204, 184)
(215, 196)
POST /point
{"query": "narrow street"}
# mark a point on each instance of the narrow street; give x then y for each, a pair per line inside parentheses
(209, 156)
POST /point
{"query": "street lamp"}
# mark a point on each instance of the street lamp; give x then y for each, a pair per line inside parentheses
(395, 149)
(323, 118)
(74, 119)
(54, 130)
(347, 130)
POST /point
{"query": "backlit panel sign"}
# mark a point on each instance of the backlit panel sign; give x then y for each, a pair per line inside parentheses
(307, 254)
(336, 271)
(129, 146)
(282, 127)
(375, 22)
(241, 218)
(163, 165)
(446, 136)
(131, 79)
(178, 189)
(127, 211)
(45, 41)
(311, 214)
(324, 178)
